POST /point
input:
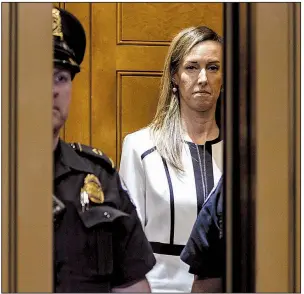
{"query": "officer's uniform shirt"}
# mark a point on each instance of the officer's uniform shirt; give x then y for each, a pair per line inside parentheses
(102, 245)
(205, 251)
(167, 202)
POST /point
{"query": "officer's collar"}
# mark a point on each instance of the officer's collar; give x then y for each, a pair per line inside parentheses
(71, 159)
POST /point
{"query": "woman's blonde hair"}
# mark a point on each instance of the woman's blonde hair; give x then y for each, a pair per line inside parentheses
(166, 126)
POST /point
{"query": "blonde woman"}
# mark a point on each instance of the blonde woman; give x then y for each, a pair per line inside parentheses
(171, 166)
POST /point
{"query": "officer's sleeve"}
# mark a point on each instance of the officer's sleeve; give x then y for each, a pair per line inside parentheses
(133, 256)
(132, 172)
(204, 251)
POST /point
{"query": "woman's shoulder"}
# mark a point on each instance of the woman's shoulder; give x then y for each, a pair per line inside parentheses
(140, 140)
(143, 134)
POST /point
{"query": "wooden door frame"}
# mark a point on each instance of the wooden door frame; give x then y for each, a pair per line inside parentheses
(27, 175)
(262, 181)
(239, 160)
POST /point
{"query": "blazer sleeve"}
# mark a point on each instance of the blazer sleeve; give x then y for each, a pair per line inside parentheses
(205, 249)
(133, 175)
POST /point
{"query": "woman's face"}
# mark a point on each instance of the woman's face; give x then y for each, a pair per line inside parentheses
(199, 77)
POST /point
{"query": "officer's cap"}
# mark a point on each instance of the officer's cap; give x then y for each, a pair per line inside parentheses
(69, 40)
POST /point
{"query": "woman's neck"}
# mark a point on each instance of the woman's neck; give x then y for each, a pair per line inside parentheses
(200, 127)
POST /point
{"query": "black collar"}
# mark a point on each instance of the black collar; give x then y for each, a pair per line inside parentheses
(69, 160)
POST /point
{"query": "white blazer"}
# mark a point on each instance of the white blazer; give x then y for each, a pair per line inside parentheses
(167, 202)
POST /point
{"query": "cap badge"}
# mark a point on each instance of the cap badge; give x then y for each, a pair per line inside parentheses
(57, 23)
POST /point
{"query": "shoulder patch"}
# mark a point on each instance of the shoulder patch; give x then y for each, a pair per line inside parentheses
(94, 154)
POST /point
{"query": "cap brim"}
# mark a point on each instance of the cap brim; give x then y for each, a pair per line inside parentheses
(67, 65)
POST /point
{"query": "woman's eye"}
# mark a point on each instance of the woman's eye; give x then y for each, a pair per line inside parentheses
(213, 68)
(190, 67)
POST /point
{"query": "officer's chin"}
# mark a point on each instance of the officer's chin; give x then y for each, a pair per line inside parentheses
(57, 121)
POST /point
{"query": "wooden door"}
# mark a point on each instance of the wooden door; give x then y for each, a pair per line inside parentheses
(117, 91)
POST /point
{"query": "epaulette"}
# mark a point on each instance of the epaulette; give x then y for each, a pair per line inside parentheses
(95, 155)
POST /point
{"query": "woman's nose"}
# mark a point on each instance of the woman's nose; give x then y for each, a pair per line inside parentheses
(202, 77)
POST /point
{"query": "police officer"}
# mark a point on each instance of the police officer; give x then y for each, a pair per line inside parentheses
(205, 249)
(99, 244)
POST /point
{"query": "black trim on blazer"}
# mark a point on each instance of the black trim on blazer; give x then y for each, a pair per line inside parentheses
(209, 165)
(197, 176)
(167, 249)
(172, 212)
(147, 153)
